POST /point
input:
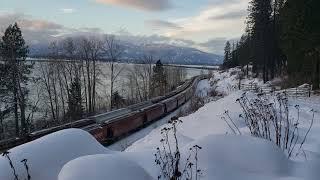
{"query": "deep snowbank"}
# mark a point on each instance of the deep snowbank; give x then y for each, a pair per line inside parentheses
(227, 157)
(230, 157)
(47, 155)
(224, 157)
(103, 167)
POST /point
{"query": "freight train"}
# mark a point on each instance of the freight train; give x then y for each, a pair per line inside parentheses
(110, 126)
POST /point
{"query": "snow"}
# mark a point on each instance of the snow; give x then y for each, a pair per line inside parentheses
(75, 155)
(102, 167)
(203, 88)
(230, 157)
(228, 81)
(225, 157)
(47, 155)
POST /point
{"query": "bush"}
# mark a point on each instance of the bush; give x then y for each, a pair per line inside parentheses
(267, 117)
(14, 172)
(168, 157)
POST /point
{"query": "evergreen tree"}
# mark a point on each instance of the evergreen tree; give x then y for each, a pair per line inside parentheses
(13, 51)
(159, 82)
(75, 100)
(281, 35)
(227, 55)
(260, 23)
(300, 37)
(118, 101)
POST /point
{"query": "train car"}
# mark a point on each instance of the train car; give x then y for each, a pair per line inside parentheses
(170, 104)
(181, 98)
(158, 99)
(101, 118)
(121, 126)
(76, 124)
(139, 106)
(96, 131)
(154, 112)
(189, 93)
(81, 123)
(13, 142)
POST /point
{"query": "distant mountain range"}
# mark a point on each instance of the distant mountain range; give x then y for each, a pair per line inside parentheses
(167, 53)
(171, 54)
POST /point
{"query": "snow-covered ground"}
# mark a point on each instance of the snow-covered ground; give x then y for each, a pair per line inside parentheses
(75, 155)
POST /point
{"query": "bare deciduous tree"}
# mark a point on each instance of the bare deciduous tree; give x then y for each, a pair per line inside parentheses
(113, 51)
(90, 51)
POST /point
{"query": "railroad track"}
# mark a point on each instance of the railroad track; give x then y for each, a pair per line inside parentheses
(111, 126)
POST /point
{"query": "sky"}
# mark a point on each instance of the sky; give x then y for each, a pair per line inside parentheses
(205, 24)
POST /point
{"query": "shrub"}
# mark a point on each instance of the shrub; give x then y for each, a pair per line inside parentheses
(267, 117)
(24, 161)
(168, 158)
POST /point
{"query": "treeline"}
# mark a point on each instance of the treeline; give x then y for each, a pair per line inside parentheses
(282, 38)
(42, 94)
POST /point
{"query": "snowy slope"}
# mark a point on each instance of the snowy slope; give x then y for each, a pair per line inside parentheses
(102, 167)
(75, 155)
(47, 155)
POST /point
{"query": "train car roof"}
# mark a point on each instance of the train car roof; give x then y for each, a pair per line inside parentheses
(112, 114)
(140, 106)
(91, 127)
(118, 118)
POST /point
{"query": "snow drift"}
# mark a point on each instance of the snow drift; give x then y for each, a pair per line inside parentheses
(47, 155)
(103, 167)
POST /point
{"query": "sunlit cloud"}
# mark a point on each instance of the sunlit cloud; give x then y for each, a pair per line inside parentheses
(160, 24)
(67, 10)
(147, 5)
(42, 31)
(230, 15)
(218, 19)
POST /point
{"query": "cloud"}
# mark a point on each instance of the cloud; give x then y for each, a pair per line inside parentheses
(218, 19)
(41, 32)
(37, 31)
(215, 45)
(146, 5)
(67, 10)
(34, 30)
(222, 2)
(230, 15)
(161, 24)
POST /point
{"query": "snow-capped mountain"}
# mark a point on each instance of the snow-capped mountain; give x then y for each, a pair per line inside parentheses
(170, 54)
(134, 52)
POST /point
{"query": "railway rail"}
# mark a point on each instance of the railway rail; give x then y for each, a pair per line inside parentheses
(111, 126)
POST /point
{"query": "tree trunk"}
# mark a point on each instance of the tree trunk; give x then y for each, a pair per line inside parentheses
(94, 87)
(89, 87)
(85, 89)
(111, 86)
(316, 78)
(15, 107)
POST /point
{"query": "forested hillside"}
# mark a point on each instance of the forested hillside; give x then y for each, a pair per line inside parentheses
(282, 38)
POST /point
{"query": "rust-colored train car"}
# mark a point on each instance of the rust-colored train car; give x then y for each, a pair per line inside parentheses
(9, 143)
(120, 126)
(170, 104)
(154, 112)
(181, 98)
(96, 131)
(75, 124)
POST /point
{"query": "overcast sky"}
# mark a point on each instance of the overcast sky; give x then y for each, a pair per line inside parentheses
(205, 23)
